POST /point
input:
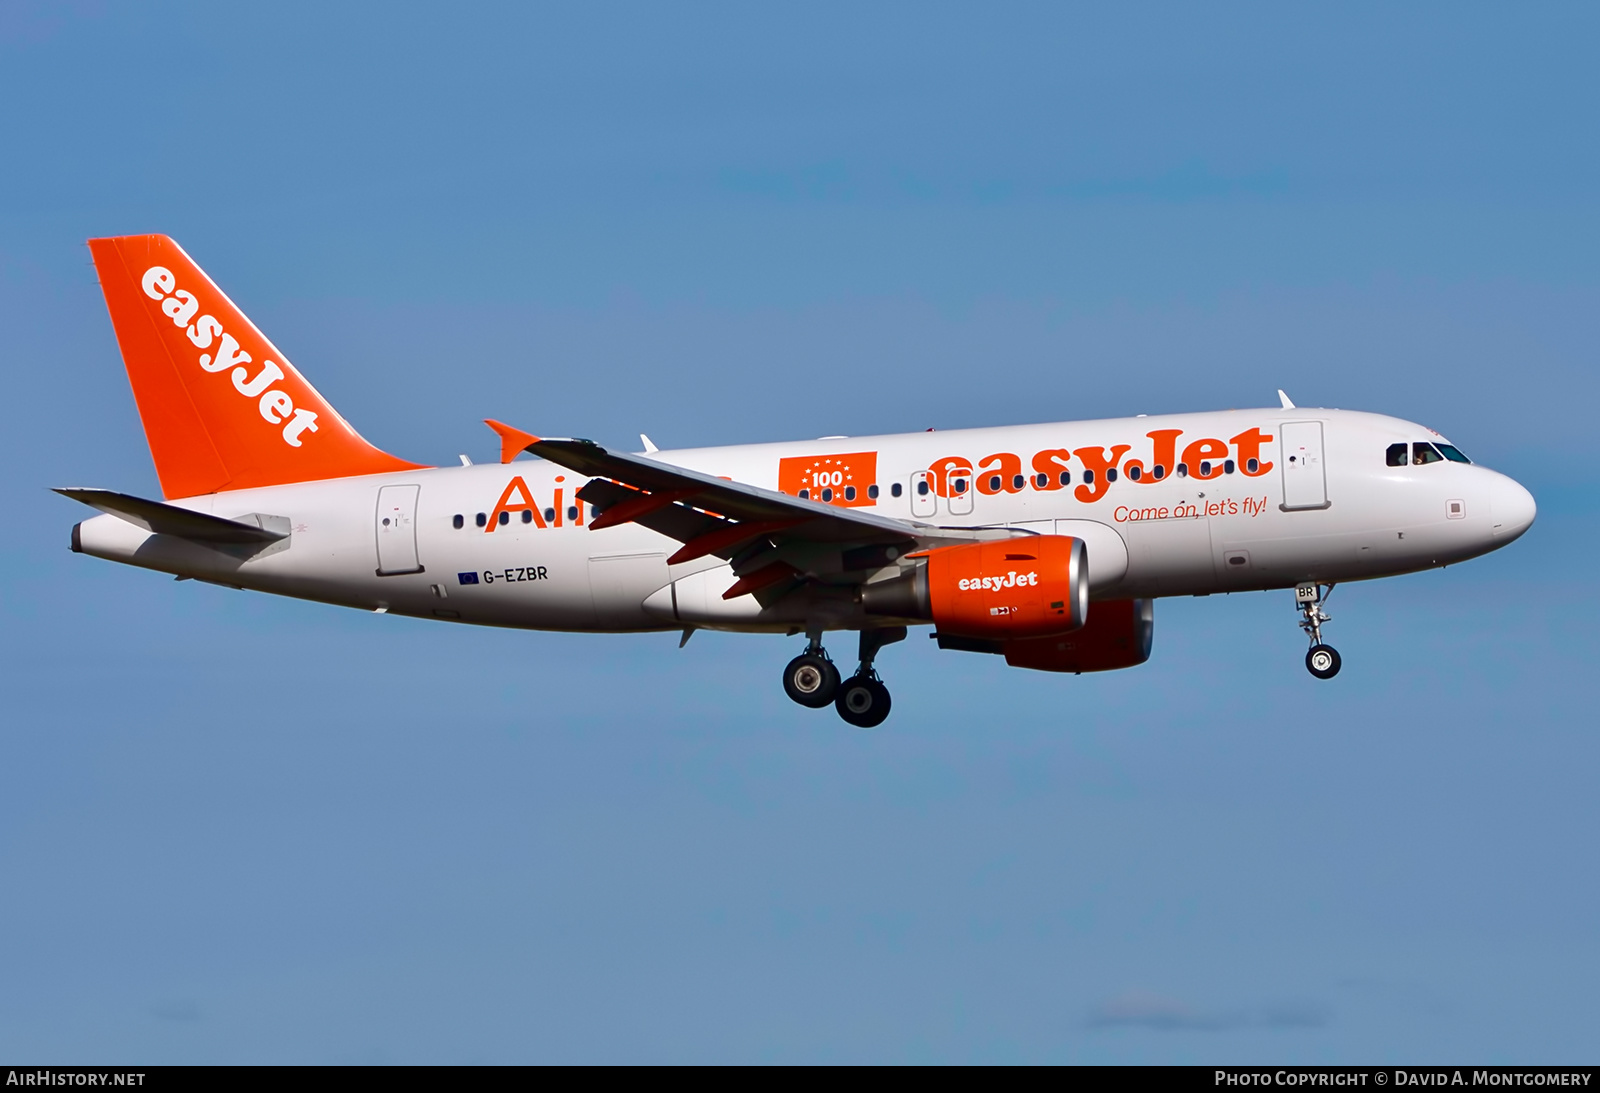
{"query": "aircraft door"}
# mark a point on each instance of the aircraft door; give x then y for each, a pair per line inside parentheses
(923, 500)
(961, 492)
(1305, 482)
(397, 530)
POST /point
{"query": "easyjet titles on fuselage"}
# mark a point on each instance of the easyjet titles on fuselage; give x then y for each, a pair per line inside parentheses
(1052, 468)
(1095, 470)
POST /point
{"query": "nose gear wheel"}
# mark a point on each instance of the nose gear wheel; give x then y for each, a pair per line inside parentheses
(1322, 660)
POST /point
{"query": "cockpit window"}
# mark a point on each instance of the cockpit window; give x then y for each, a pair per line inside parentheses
(1425, 453)
(1453, 453)
(1398, 455)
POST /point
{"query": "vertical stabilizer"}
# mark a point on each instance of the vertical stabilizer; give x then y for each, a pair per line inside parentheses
(222, 408)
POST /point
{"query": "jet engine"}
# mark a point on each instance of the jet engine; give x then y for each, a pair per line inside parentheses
(1004, 589)
(1119, 636)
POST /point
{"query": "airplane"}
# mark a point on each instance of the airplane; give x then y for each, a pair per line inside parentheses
(1045, 544)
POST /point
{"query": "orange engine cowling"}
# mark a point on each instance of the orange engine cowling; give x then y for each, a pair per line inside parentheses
(1009, 588)
(1119, 636)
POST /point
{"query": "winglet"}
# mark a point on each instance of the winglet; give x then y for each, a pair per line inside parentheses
(1283, 398)
(512, 441)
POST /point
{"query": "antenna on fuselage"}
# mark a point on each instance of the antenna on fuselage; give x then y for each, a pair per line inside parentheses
(1283, 398)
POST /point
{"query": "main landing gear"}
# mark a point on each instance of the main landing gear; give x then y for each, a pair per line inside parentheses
(862, 700)
(1322, 660)
(811, 679)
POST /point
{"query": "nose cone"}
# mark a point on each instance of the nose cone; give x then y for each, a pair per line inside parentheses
(1511, 509)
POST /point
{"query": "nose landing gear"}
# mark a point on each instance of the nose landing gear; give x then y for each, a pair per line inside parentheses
(1322, 661)
(862, 700)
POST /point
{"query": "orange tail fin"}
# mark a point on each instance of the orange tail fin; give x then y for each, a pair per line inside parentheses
(222, 408)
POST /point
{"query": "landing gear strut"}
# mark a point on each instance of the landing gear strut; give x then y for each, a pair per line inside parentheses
(1322, 660)
(863, 700)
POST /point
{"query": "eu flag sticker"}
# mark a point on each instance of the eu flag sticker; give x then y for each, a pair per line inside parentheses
(467, 578)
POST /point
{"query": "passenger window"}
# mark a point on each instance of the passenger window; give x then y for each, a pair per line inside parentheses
(1424, 453)
(1396, 455)
(505, 518)
(1088, 476)
(1227, 466)
(1205, 468)
(849, 493)
(1066, 477)
(1160, 472)
(1111, 474)
(527, 516)
(572, 512)
(872, 491)
(922, 487)
(961, 485)
(483, 519)
(549, 516)
(1453, 453)
(458, 521)
(1183, 470)
(827, 493)
(1252, 465)
(994, 483)
(1017, 481)
(894, 490)
(805, 495)
(1135, 472)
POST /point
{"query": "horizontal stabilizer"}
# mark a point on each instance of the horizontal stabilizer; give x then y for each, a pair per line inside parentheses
(163, 519)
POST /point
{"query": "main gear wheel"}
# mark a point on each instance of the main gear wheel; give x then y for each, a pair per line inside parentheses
(863, 701)
(811, 679)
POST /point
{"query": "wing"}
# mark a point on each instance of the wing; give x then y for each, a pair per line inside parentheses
(775, 542)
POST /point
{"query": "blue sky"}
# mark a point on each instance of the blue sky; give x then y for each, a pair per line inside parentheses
(239, 829)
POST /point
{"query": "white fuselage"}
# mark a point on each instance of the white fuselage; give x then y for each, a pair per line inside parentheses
(1321, 504)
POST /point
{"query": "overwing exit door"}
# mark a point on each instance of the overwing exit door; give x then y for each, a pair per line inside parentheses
(1305, 480)
(397, 530)
(960, 486)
